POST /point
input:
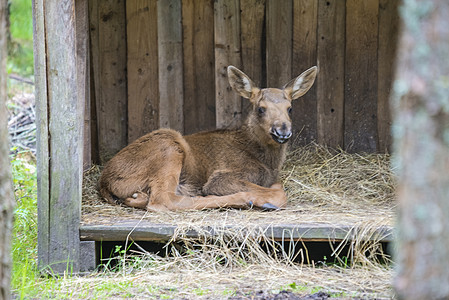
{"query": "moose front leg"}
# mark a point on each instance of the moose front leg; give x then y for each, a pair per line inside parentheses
(223, 183)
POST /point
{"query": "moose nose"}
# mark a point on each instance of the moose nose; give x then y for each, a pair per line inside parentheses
(281, 134)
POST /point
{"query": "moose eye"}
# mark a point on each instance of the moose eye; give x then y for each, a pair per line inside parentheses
(289, 110)
(261, 110)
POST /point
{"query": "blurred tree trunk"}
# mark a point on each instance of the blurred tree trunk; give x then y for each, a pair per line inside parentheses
(6, 191)
(421, 132)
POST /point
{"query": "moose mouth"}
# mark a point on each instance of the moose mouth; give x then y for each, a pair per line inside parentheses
(280, 138)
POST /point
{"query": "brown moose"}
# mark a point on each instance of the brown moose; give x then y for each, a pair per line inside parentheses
(164, 170)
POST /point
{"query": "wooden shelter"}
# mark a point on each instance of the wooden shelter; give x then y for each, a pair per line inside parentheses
(110, 71)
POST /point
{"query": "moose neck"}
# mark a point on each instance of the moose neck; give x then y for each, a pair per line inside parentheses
(270, 154)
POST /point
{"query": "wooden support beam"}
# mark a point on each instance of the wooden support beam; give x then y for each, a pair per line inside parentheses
(60, 107)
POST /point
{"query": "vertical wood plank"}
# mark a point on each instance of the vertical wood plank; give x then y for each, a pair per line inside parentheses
(94, 76)
(83, 79)
(388, 37)
(330, 82)
(304, 57)
(227, 52)
(253, 44)
(279, 42)
(169, 30)
(142, 67)
(199, 71)
(361, 75)
(42, 153)
(111, 75)
(65, 131)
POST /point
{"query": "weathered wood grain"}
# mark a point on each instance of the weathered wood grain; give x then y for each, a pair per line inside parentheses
(142, 67)
(330, 85)
(146, 231)
(199, 71)
(171, 95)
(388, 37)
(42, 144)
(94, 60)
(111, 75)
(83, 77)
(279, 42)
(304, 53)
(361, 76)
(252, 20)
(61, 207)
(227, 52)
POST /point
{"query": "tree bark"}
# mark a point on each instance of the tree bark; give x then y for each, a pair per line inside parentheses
(6, 191)
(421, 132)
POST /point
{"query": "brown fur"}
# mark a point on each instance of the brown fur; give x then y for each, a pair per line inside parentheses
(163, 170)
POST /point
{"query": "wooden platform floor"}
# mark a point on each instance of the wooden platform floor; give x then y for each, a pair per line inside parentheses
(144, 230)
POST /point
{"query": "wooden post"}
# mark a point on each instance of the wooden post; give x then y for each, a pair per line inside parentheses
(60, 108)
(421, 133)
(171, 95)
(227, 52)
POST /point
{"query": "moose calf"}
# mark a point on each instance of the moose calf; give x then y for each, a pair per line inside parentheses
(164, 170)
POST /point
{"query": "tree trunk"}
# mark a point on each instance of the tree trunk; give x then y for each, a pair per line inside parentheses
(421, 132)
(6, 191)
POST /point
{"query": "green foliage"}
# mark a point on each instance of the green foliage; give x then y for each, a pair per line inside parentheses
(20, 48)
(24, 244)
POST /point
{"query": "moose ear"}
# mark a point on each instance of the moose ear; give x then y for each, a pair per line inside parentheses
(240, 82)
(301, 84)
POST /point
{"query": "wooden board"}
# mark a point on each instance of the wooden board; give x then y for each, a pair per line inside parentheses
(145, 231)
(59, 206)
(330, 85)
(279, 42)
(388, 38)
(252, 20)
(42, 153)
(199, 71)
(169, 30)
(110, 76)
(142, 67)
(227, 52)
(304, 56)
(83, 78)
(361, 76)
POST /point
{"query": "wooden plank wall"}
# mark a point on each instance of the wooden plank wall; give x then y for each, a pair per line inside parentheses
(163, 64)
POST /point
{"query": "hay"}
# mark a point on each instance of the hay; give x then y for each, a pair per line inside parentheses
(323, 186)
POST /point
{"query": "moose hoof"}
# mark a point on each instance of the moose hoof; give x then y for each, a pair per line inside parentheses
(269, 206)
(135, 195)
(250, 204)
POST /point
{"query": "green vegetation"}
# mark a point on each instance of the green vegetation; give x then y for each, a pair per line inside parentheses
(20, 48)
